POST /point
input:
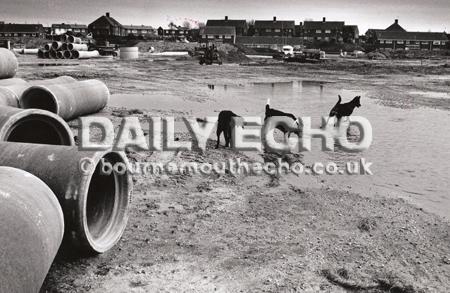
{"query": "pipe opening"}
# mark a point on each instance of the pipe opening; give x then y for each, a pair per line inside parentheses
(39, 98)
(106, 205)
(39, 129)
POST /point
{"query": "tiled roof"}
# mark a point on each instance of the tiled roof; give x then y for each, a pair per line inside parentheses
(395, 27)
(68, 25)
(21, 28)
(312, 25)
(141, 27)
(218, 30)
(239, 23)
(278, 24)
(418, 36)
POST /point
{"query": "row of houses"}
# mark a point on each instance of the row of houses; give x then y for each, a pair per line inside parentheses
(311, 31)
(259, 33)
(396, 37)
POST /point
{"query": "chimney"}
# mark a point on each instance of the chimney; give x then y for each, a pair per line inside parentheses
(396, 21)
(324, 19)
(274, 19)
(107, 14)
(226, 18)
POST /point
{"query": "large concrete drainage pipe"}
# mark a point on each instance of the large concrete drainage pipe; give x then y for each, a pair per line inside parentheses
(12, 89)
(95, 204)
(32, 227)
(73, 40)
(8, 63)
(77, 47)
(33, 126)
(69, 100)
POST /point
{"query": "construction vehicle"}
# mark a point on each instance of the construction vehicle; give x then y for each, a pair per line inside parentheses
(208, 55)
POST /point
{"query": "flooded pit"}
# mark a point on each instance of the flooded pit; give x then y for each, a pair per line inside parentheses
(410, 151)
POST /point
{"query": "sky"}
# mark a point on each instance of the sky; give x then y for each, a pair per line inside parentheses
(413, 15)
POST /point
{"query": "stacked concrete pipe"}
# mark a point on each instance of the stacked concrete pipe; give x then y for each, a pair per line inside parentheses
(94, 204)
(85, 54)
(73, 40)
(33, 126)
(70, 100)
(32, 227)
(12, 89)
(8, 64)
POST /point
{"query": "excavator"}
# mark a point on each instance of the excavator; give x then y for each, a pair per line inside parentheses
(209, 54)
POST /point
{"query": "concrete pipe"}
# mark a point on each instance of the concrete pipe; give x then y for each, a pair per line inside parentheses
(94, 203)
(12, 81)
(18, 50)
(47, 54)
(59, 55)
(53, 54)
(85, 54)
(77, 47)
(70, 100)
(31, 51)
(8, 63)
(64, 47)
(74, 40)
(63, 38)
(56, 45)
(67, 54)
(48, 47)
(12, 89)
(31, 231)
(129, 53)
(10, 95)
(33, 126)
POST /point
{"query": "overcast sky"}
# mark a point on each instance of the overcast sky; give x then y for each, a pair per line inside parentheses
(414, 15)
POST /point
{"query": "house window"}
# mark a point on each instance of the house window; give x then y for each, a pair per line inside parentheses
(181, 33)
(400, 42)
(327, 39)
(268, 30)
(388, 42)
(277, 30)
(227, 37)
(436, 42)
(328, 31)
(319, 38)
(318, 31)
(210, 37)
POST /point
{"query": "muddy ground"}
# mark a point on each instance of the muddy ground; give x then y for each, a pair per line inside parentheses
(226, 233)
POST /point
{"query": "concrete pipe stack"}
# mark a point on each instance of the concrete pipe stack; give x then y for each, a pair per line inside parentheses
(67, 47)
(44, 192)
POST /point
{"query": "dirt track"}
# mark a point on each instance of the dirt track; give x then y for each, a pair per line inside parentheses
(257, 233)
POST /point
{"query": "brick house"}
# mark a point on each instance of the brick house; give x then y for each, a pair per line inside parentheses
(323, 31)
(174, 31)
(10, 30)
(240, 25)
(395, 37)
(106, 27)
(274, 28)
(223, 34)
(62, 28)
(138, 30)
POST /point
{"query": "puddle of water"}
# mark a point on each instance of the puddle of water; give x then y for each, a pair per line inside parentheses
(410, 151)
